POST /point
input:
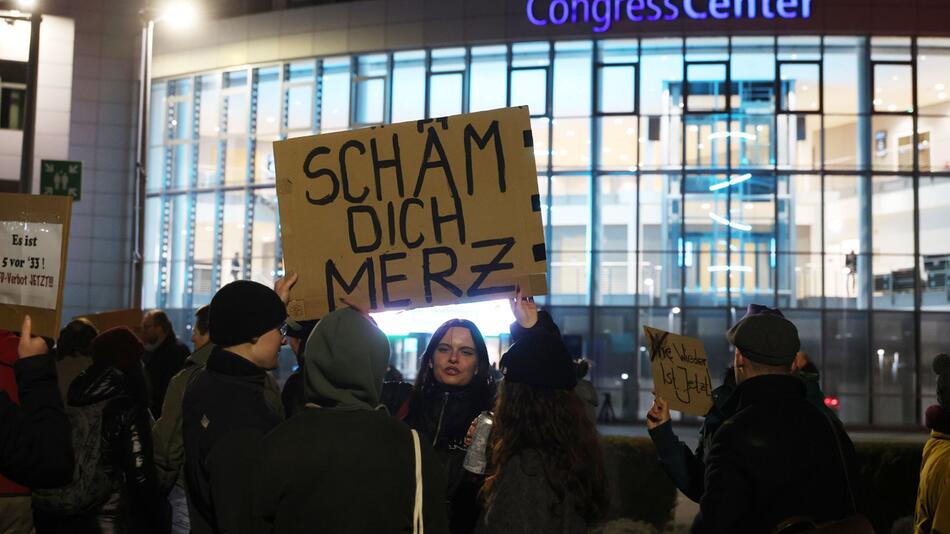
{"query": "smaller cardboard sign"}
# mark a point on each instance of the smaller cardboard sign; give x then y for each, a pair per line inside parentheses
(680, 371)
(34, 234)
(131, 318)
(61, 178)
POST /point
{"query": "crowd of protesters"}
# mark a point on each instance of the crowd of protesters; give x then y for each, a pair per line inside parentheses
(117, 432)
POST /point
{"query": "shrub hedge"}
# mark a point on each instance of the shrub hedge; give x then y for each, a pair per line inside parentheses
(885, 491)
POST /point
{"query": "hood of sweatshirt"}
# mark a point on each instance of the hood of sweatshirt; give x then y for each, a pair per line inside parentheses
(345, 361)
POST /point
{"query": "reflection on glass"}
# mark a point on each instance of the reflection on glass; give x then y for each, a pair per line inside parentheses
(892, 88)
(445, 97)
(409, 86)
(528, 88)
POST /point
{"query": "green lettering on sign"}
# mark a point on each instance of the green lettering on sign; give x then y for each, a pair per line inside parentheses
(61, 178)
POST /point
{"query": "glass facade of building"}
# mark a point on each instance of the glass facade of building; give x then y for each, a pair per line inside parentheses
(682, 179)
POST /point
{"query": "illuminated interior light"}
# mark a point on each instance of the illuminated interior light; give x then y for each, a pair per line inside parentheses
(740, 135)
(733, 181)
(722, 220)
(492, 317)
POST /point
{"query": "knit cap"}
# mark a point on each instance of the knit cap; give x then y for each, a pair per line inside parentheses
(244, 310)
(539, 359)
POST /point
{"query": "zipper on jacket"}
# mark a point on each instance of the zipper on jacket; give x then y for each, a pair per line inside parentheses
(438, 427)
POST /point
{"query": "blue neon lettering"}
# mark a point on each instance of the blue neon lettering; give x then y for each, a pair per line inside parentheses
(691, 11)
(574, 10)
(634, 8)
(674, 11)
(534, 20)
(719, 9)
(566, 12)
(787, 8)
(600, 13)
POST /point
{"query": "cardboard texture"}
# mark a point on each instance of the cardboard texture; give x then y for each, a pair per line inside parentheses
(680, 371)
(36, 273)
(414, 214)
(131, 318)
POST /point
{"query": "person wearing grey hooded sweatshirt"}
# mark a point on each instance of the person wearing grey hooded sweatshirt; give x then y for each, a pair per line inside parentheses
(343, 465)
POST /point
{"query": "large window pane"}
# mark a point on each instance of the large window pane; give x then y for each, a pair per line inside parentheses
(661, 76)
(335, 105)
(264, 237)
(445, 97)
(844, 142)
(570, 216)
(488, 83)
(618, 142)
(799, 87)
(933, 76)
(892, 88)
(203, 262)
(752, 68)
(799, 142)
(893, 370)
(845, 367)
(232, 238)
(529, 88)
(409, 86)
(618, 89)
(571, 144)
(617, 234)
(615, 371)
(572, 79)
(843, 64)
(707, 87)
(300, 107)
(267, 122)
(153, 253)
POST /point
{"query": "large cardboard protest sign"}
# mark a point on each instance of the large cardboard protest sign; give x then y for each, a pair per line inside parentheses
(414, 214)
(680, 371)
(34, 234)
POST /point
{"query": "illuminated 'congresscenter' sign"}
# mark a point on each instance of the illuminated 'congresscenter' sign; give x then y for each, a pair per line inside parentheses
(603, 13)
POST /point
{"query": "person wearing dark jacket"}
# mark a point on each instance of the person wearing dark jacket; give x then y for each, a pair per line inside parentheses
(343, 465)
(165, 357)
(685, 467)
(778, 457)
(453, 386)
(116, 381)
(546, 462)
(36, 448)
(225, 411)
(16, 514)
(292, 396)
(73, 350)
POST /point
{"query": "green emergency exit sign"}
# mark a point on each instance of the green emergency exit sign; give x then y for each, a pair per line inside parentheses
(61, 178)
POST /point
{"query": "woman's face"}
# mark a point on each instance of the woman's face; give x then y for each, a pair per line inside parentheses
(455, 361)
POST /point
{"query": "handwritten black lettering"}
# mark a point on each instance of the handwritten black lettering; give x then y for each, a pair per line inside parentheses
(482, 143)
(351, 223)
(495, 265)
(385, 279)
(344, 175)
(333, 275)
(313, 174)
(439, 277)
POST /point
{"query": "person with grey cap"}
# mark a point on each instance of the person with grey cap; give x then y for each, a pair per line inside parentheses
(777, 457)
(225, 410)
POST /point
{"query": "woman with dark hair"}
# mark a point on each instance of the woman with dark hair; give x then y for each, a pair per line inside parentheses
(547, 464)
(453, 386)
(116, 489)
(73, 351)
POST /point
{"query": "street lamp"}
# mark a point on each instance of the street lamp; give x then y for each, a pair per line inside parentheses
(179, 14)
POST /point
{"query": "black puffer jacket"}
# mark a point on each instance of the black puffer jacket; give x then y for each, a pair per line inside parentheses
(136, 505)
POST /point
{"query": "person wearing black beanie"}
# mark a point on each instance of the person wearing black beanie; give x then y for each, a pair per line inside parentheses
(546, 461)
(228, 407)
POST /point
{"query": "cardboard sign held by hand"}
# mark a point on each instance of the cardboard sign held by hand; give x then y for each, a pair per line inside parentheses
(410, 215)
(680, 371)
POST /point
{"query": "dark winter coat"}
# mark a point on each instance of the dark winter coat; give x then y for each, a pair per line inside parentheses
(687, 468)
(8, 357)
(36, 444)
(292, 395)
(776, 458)
(524, 502)
(164, 363)
(225, 414)
(136, 504)
(343, 465)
